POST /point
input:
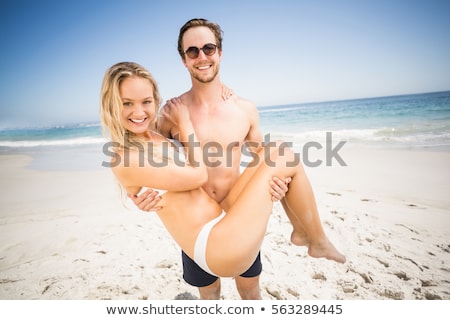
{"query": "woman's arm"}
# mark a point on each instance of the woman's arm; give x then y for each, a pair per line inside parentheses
(177, 113)
(136, 170)
(172, 174)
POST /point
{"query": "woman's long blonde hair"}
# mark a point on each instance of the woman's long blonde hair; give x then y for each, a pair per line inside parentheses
(111, 103)
(111, 106)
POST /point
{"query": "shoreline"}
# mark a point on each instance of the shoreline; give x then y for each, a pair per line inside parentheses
(65, 234)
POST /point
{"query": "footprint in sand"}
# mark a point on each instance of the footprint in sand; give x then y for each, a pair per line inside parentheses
(368, 200)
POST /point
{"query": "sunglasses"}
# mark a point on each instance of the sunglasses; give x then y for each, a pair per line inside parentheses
(208, 49)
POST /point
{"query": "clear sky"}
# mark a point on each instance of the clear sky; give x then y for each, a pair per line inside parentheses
(54, 53)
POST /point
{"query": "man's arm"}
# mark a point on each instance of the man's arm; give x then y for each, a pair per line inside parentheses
(254, 137)
(254, 143)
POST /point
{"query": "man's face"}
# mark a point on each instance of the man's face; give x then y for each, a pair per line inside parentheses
(204, 68)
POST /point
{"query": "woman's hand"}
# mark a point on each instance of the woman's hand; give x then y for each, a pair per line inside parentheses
(226, 92)
(176, 112)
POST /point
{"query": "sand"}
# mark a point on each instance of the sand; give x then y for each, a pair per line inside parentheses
(66, 234)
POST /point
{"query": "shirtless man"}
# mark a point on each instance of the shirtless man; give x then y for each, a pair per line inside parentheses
(223, 126)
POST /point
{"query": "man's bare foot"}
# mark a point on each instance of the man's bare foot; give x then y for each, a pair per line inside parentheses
(326, 250)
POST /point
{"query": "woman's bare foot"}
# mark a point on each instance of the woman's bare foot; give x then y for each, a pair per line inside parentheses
(299, 238)
(326, 250)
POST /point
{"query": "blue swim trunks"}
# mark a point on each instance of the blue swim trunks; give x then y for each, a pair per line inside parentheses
(197, 277)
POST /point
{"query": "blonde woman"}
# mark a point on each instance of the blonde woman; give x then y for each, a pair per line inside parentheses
(145, 159)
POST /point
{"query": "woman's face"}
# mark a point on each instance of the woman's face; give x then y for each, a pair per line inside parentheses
(138, 105)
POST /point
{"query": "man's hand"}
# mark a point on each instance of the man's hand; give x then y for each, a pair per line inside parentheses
(147, 201)
(278, 188)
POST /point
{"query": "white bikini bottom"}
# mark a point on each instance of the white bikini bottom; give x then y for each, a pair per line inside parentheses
(202, 240)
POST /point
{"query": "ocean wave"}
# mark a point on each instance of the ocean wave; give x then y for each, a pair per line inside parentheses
(49, 143)
(280, 109)
(9, 128)
(318, 135)
(385, 136)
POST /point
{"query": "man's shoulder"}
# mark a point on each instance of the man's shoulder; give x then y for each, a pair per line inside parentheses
(243, 103)
(185, 94)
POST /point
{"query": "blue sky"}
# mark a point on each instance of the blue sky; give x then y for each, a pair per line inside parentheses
(54, 53)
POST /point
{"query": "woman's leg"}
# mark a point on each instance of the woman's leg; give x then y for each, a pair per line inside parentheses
(300, 206)
(235, 241)
(250, 206)
(299, 236)
(308, 230)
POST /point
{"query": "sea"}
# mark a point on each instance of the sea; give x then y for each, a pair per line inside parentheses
(415, 121)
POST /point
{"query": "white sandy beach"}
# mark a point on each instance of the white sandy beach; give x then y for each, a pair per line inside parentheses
(66, 235)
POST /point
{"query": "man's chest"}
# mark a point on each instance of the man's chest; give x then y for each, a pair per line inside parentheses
(222, 127)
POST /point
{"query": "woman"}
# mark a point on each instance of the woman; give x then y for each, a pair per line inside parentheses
(144, 158)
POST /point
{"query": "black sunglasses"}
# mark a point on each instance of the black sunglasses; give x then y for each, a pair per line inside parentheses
(208, 49)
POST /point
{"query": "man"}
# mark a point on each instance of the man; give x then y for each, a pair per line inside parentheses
(222, 126)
